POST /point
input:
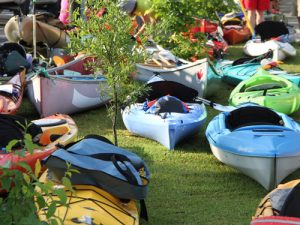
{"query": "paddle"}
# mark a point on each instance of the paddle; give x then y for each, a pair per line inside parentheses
(34, 29)
(214, 105)
(247, 19)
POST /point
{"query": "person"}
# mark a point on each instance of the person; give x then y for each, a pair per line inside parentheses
(138, 10)
(298, 12)
(256, 10)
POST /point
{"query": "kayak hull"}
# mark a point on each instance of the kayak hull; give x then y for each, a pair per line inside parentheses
(267, 152)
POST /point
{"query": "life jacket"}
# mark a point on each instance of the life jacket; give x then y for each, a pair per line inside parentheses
(166, 104)
(282, 201)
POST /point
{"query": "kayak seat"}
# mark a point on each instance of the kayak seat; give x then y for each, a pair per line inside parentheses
(262, 87)
(252, 115)
(162, 88)
(53, 133)
(168, 104)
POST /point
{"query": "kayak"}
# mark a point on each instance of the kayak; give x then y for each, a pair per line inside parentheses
(77, 93)
(167, 125)
(235, 34)
(233, 73)
(190, 74)
(267, 90)
(91, 204)
(56, 129)
(257, 141)
(280, 49)
(11, 93)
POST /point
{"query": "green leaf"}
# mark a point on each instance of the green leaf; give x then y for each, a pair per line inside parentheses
(38, 167)
(25, 166)
(26, 178)
(51, 209)
(54, 222)
(67, 183)
(11, 144)
(61, 193)
(41, 201)
(6, 183)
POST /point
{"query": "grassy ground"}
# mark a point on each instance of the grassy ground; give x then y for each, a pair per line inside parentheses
(189, 185)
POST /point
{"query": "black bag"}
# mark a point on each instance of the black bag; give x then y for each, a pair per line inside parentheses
(14, 63)
(12, 57)
(271, 29)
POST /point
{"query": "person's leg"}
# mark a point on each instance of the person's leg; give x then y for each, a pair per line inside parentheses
(298, 11)
(252, 17)
(259, 16)
(251, 6)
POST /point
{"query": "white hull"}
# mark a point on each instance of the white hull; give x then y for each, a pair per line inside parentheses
(280, 50)
(268, 171)
(62, 95)
(192, 74)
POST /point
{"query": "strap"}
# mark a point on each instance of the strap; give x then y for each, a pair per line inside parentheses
(127, 173)
(143, 210)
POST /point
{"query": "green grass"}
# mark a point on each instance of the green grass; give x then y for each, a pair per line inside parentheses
(189, 185)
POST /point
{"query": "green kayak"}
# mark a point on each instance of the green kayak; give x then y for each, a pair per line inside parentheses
(267, 90)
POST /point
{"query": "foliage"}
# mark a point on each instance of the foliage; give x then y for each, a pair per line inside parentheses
(23, 193)
(176, 17)
(107, 38)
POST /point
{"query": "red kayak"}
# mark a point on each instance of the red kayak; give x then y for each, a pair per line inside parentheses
(11, 93)
(235, 34)
(276, 220)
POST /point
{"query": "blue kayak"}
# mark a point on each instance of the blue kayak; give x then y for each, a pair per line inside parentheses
(259, 142)
(233, 73)
(167, 128)
(161, 113)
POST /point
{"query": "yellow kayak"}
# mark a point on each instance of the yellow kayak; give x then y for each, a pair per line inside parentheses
(91, 205)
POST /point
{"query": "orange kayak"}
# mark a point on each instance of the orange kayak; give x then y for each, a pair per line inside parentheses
(11, 93)
(56, 129)
(235, 34)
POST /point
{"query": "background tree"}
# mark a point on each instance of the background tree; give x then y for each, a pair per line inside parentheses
(107, 38)
(174, 18)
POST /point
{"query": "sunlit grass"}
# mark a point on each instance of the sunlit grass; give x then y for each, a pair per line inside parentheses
(188, 185)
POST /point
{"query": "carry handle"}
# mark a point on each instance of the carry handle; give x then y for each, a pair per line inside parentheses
(127, 173)
(268, 132)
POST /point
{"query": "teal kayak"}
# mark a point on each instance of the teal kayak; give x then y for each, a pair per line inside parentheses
(233, 73)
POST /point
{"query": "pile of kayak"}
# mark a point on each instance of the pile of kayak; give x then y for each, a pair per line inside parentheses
(255, 133)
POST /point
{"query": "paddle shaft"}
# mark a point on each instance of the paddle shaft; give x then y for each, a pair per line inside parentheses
(246, 17)
(34, 30)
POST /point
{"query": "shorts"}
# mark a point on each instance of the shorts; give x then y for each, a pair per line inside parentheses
(261, 5)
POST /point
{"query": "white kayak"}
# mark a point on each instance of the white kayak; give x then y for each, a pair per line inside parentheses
(281, 50)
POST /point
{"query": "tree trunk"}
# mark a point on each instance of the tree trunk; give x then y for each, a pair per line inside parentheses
(115, 113)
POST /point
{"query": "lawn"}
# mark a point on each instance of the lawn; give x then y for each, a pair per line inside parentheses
(188, 185)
